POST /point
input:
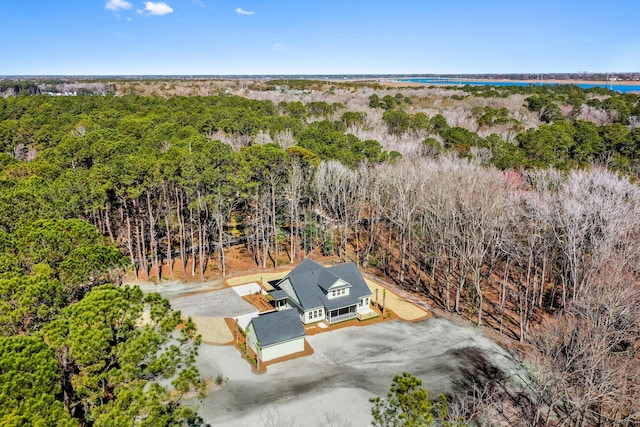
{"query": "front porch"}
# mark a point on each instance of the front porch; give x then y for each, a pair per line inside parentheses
(342, 314)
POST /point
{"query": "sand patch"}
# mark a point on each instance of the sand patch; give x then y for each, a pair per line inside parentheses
(214, 330)
(261, 278)
(399, 306)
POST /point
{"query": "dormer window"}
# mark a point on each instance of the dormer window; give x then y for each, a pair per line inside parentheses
(338, 292)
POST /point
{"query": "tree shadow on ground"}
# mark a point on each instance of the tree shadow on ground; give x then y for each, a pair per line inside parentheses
(487, 389)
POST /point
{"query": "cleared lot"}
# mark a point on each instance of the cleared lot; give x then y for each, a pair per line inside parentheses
(262, 277)
(222, 303)
(395, 303)
(214, 330)
(349, 366)
(177, 288)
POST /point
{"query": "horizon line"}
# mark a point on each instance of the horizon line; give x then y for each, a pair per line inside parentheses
(372, 75)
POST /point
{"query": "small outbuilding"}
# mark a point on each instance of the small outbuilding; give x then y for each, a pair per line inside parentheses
(276, 334)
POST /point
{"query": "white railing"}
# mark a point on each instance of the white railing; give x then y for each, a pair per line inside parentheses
(341, 317)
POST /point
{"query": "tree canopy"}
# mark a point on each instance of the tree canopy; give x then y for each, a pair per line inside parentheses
(408, 405)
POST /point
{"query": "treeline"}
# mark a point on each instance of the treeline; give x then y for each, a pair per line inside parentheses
(507, 250)
(593, 131)
(76, 348)
(136, 176)
(186, 178)
(146, 172)
(27, 87)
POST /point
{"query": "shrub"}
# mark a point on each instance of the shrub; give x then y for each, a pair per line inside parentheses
(219, 379)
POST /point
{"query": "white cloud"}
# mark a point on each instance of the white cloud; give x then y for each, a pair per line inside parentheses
(241, 11)
(160, 8)
(117, 5)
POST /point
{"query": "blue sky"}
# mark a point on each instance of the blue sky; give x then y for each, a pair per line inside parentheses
(111, 37)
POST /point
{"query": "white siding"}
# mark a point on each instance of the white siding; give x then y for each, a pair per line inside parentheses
(252, 339)
(283, 349)
(337, 293)
(285, 285)
(318, 315)
(339, 284)
(285, 305)
(363, 306)
(339, 289)
(245, 319)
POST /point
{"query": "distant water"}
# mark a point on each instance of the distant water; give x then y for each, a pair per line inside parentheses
(616, 87)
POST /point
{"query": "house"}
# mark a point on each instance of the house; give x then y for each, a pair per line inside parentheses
(275, 334)
(320, 293)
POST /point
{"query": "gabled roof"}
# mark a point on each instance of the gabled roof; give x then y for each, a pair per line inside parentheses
(277, 326)
(309, 279)
(350, 273)
(304, 280)
(326, 279)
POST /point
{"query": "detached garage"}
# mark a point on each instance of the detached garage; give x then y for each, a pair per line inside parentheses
(276, 334)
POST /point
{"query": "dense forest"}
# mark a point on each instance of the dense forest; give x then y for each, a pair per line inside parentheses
(515, 207)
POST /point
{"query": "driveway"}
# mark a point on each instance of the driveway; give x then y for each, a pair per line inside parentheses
(177, 288)
(222, 303)
(349, 366)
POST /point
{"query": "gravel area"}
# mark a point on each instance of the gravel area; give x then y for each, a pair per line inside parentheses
(348, 367)
(177, 288)
(223, 303)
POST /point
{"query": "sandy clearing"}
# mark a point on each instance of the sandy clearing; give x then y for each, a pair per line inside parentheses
(262, 278)
(213, 330)
(404, 309)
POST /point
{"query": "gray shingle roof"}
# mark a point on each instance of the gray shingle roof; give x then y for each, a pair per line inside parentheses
(277, 326)
(278, 295)
(309, 279)
(326, 279)
(349, 273)
(304, 279)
